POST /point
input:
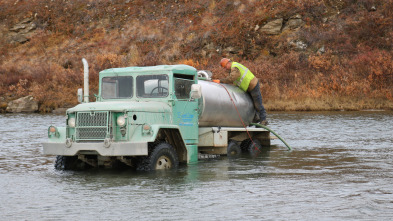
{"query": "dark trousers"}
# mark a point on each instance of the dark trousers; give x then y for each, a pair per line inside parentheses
(257, 99)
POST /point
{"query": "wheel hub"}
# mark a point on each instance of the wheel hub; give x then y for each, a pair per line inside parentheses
(163, 163)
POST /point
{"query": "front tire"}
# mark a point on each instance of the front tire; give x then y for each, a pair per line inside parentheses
(162, 157)
(69, 163)
(60, 163)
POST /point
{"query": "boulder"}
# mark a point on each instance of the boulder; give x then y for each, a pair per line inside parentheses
(24, 104)
(230, 49)
(19, 38)
(208, 50)
(273, 27)
(293, 23)
(298, 45)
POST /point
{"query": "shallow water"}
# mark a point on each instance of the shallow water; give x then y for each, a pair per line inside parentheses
(341, 168)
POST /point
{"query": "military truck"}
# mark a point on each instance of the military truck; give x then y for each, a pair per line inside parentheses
(153, 118)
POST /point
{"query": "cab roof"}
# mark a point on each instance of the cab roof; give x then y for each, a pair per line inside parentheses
(178, 69)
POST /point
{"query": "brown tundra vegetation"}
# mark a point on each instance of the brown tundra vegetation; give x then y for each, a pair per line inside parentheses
(308, 54)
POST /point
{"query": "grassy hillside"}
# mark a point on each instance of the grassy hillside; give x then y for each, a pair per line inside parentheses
(308, 54)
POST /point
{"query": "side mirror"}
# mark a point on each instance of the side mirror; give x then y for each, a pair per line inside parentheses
(196, 91)
(80, 95)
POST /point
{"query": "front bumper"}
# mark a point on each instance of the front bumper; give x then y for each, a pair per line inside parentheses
(114, 149)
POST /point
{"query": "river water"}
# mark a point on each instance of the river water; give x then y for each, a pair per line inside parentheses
(341, 168)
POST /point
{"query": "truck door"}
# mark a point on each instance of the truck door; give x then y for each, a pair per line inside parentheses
(185, 110)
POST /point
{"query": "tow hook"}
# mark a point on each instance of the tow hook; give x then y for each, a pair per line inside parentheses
(107, 142)
(68, 142)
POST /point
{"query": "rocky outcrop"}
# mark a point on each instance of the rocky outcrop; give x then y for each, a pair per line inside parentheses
(23, 27)
(21, 32)
(273, 27)
(293, 23)
(24, 104)
(277, 26)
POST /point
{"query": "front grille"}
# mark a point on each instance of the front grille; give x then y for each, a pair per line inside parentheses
(91, 126)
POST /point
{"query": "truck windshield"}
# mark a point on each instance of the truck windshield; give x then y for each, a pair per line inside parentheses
(116, 87)
(150, 86)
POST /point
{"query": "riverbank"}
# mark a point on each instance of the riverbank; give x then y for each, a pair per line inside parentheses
(328, 104)
(302, 104)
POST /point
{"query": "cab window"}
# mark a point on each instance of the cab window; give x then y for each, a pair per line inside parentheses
(116, 87)
(152, 86)
(183, 88)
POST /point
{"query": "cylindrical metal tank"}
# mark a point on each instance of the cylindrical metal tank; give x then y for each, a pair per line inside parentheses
(217, 108)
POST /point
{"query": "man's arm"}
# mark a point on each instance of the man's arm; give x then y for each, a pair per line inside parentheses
(235, 74)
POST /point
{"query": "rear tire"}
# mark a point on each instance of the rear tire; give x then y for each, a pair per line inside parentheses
(245, 144)
(233, 149)
(254, 147)
(162, 157)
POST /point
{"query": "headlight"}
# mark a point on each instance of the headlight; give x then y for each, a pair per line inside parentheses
(71, 122)
(121, 120)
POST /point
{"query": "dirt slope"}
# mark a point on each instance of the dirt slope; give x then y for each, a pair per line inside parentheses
(308, 54)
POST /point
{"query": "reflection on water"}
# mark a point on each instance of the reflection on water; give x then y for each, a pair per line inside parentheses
(340, 168)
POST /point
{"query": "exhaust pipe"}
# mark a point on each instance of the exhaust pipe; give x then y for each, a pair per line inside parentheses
(85, 80)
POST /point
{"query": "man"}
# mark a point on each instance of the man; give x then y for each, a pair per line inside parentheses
(243, 78)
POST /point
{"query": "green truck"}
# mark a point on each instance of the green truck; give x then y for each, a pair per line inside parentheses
(153, 118)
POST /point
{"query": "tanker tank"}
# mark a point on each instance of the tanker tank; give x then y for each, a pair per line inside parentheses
(217, 108)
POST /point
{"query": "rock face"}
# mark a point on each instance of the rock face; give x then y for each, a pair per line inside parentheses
(24, 104)
(293, 23)
(273, 27)
(21, 32)
(23, 27)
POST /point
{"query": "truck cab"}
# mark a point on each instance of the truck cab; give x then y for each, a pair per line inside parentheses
(138, 110)
(144, 117)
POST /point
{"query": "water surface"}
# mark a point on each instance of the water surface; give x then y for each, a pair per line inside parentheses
(340, 169)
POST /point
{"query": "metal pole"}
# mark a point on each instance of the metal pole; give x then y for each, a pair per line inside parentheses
(85, 80)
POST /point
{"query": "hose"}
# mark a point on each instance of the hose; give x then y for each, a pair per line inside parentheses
(240, 117)
(278, 136)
